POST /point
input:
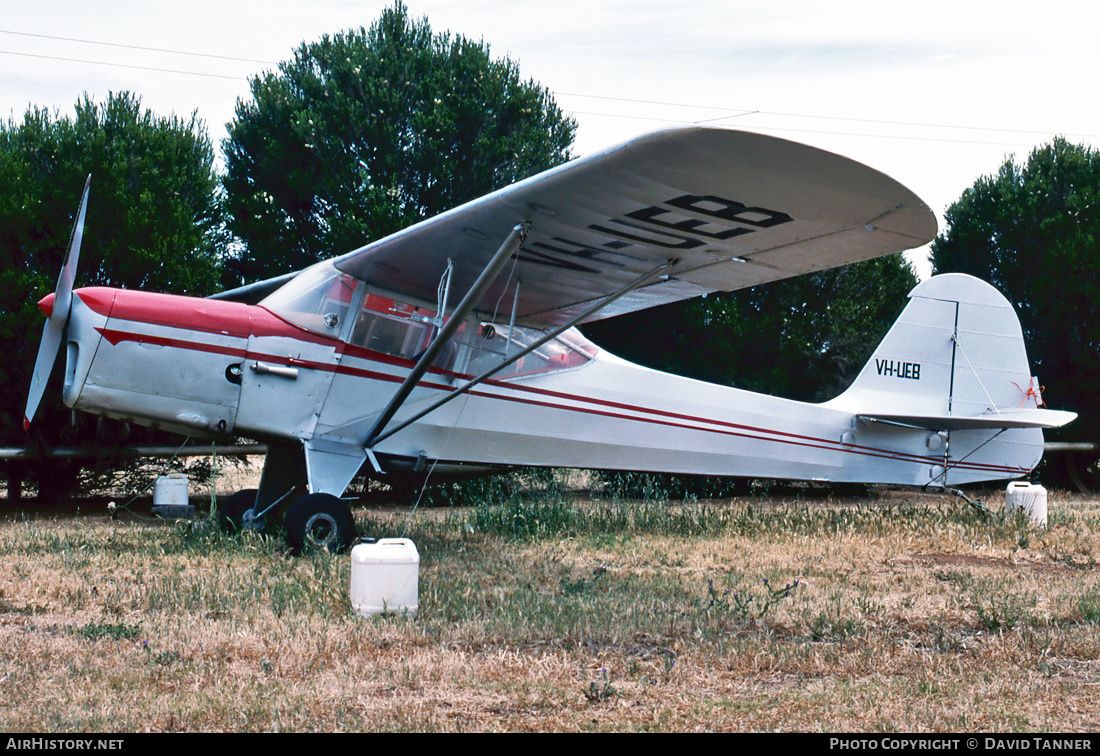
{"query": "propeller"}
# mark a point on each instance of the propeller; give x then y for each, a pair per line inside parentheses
(56, 307)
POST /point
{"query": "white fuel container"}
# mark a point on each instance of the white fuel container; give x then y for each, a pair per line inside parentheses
(385, 577)
(1031, 498)
(170, 497)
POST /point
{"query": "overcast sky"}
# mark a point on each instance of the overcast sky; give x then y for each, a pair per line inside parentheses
(934, 93)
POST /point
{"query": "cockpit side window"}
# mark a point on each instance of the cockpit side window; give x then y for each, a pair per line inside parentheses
(392, 327)
(319, 299)
(494, 344)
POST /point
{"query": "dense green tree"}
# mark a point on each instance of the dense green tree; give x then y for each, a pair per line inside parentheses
(801, 338)
(153, 222)
(1033, 231)
(363, 133)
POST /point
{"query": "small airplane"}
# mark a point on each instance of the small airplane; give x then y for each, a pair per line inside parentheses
(452, 344)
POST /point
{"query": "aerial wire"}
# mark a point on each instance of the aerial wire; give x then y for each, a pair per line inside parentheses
(746, 111)
(733, 112)
(138, 47)
(120, 65)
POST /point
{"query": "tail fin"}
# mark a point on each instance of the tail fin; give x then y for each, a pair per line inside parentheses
(954, 359)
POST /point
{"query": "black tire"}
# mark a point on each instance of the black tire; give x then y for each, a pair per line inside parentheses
(235, 513)
(319, 521)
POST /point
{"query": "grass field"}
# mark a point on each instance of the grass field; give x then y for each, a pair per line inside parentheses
(886, 612)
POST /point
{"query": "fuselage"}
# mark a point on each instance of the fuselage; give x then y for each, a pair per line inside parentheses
(206, 367)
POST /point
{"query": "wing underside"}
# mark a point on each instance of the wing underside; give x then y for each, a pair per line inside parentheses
(729, 209)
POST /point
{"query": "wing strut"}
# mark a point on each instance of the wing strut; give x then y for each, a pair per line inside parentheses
(376, 438)
(473, 296)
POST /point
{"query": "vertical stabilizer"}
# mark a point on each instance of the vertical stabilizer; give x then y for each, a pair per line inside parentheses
(955, 358)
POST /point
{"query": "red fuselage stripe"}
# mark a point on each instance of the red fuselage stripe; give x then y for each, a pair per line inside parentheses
(239, 321)
(725, 428)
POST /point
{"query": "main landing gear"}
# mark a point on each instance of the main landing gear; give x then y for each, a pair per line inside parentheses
(313, 521)
(319, 521)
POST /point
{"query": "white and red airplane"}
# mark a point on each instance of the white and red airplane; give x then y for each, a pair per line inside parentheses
(453, 342)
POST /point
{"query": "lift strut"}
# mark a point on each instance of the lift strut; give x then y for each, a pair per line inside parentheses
(473, 296)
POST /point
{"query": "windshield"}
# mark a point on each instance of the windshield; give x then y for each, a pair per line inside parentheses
(317, 299)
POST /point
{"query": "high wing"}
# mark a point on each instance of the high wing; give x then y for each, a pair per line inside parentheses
(723, 209)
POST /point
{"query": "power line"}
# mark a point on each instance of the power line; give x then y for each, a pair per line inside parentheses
(811, 131)
(138, 47)
(122, 65)
(746, 111)
(734, 112)
(652, 102)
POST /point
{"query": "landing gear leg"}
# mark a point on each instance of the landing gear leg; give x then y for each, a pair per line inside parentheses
(255, 509)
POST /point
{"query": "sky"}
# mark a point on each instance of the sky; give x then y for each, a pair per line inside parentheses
(934, 93)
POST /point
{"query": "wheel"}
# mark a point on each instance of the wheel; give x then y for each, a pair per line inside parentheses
(319, 521)
(238, 512)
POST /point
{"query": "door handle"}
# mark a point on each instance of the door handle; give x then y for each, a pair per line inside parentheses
(285, 372)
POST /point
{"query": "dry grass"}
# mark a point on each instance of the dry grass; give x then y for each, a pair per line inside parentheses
(911, 613)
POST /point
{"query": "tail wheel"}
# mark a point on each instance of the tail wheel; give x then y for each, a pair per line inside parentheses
(319, 521)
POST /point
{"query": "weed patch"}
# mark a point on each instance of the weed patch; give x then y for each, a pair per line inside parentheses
(744, 606)
(106, 630)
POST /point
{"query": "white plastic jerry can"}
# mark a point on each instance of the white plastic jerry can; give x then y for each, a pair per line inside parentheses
(385, 577)
(1029, 497)
(170, 496)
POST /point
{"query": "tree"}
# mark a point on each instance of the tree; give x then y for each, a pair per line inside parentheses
(369, 131)
(1033, 231)
(153, 222)
(801, 338)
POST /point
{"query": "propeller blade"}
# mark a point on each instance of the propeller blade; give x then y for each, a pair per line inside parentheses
(43, 366)
(65, 281)
(58, 316)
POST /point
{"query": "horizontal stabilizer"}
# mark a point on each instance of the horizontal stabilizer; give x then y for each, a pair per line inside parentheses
(1021, 418)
